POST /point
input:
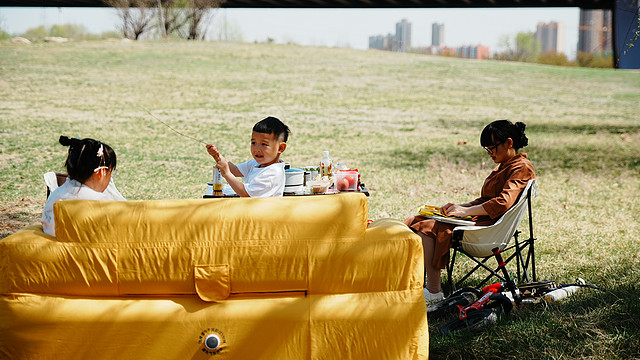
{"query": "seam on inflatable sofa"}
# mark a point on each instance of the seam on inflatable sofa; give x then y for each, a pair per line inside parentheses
(117, 274)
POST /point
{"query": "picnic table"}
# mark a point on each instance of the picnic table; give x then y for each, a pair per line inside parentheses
(227, 192)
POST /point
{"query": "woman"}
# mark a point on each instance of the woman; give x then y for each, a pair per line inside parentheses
(501, 140)
(91, 166)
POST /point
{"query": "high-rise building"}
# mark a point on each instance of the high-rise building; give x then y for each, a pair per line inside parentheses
(400, 41)
(595, 31)
(382, 42)
(390, 42)
(403, 36)
(473, 52)
(437, 34)
(376, 42)
(551, 37)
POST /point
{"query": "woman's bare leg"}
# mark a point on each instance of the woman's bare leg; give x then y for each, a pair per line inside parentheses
(432, 273)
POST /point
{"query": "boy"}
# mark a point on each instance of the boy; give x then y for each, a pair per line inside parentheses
(264, 175)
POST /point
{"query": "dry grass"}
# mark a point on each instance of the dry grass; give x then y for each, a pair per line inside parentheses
(410, 123)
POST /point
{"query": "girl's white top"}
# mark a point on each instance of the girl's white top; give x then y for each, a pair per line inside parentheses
(263, 181)
(73, 189)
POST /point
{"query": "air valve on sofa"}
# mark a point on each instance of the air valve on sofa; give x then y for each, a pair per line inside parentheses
(212, 341)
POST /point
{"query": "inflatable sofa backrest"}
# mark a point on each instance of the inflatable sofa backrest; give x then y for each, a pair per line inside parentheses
(215, 248)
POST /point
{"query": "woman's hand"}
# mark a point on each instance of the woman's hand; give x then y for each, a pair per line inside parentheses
(462, 210)
(444, 208)
(450, 209)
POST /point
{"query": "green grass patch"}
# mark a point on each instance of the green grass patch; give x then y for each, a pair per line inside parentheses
(410, 123)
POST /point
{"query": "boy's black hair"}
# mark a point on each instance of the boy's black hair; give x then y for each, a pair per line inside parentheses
(272, 125)
(85, 156)
(500, 130)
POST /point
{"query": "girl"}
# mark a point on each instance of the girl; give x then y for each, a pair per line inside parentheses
(91, 165)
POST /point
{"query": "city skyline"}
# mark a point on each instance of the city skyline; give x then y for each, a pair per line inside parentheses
(401, 42)
(335, 27)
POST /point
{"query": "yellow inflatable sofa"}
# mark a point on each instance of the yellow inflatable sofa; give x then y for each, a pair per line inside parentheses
(279, 278)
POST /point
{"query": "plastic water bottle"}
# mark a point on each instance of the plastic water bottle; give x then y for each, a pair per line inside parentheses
(561, 293)
(325, 165)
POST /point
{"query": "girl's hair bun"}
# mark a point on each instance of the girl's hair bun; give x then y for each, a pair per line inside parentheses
(85, 156)
(65, 140)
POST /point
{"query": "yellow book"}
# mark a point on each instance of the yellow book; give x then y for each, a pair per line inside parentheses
(433, 212)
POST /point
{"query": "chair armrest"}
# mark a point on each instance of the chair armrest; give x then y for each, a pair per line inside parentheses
(458, 231)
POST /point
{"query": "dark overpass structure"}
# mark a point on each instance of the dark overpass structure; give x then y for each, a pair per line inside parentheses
(625, 13)
(355, 4)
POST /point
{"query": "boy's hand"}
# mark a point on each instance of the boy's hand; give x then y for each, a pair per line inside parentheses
(223, 165)
(213, 151)
(221, 162)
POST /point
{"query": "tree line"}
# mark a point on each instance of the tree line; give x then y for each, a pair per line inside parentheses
(182, 19)
(185, 19)
(524, 47)
(68, 31)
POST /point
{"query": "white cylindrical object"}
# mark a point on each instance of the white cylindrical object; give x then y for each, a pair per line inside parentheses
(561, 293)
(217, 181)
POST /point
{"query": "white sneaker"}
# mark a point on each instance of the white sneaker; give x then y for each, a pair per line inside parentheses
(430, 297)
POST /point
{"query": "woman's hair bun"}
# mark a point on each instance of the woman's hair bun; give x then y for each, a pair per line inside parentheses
(499, 131)
(524, 141)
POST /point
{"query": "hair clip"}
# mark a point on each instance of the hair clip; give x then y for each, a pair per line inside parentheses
(99, 168)
(100, 151)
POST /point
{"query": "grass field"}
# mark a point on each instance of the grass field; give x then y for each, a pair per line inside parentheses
(410, 123)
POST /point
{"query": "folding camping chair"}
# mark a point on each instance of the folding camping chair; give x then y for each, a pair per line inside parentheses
(477, 242)
(53, 180)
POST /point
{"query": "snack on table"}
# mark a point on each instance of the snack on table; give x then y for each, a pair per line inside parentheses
(320, 184)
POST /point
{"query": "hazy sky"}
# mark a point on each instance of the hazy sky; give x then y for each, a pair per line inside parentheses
(334, 27)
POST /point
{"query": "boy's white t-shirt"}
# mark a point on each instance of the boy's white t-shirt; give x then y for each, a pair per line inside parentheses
(73, 189)
(263, 181)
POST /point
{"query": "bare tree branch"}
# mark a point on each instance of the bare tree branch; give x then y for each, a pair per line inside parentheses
(199, 17)
(135, 15)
